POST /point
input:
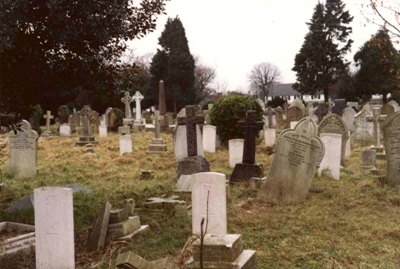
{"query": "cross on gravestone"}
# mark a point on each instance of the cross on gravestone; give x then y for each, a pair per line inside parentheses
(138, 97)
(48, 117)
(127, 100)
(190, 121)
(252, 127)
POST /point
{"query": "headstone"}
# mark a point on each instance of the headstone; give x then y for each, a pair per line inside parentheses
(321, 111)
(48, 118)
(376, 114)
(387, 109)
(103, 131)
(125, 144)
(235, 151)
(74, 122)
(209, 138)
(394, 104)
(280, 123)
(269, 137)
(248, 168)
(87, 136)
(22, 160)
(54, 228)
(363, 128)
(391, 134)
(270, 118)
(94, 120)
(298, 152)
(330, 165)
(339, 106)
(368, 158)
(98, 231)
(138, 97)
(335, 125)
(180, 142)
(348, 117)
(65, 130)
(295, 113)
(157, 144)
(209, 202)
(127, 100)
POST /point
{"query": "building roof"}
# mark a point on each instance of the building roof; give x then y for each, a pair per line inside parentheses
(284, 89)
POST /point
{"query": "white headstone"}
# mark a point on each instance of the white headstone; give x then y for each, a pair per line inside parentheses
(180, 142)
(293, 124)
(125, 144)
(209, 138)
(209, 202)
(348, 117)
(103, 131)
(54, 228)
(269, 137)
(138, 97)
(331, 160)
(22, 160)
(65, 129)
(235, 151)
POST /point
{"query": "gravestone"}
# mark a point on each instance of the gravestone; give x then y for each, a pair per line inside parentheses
(87, 136)
(270, 117)
(48, 118)
(125, 144)
(65, 130)
(280, 123)
(74, 121)
(368, 158)
(394, 104)
(387, 109)
(347, 152)
(98, 231)
(293, 166)
(157, 144)
(269, 137)
(103, 131)
(94, 120)
(339, 106)
(54, 228)
(348, 117)
(235, 151)
(209, 138)
(295, 112)
(330, 164)
(209, 202)
(138, 97)
(127, 100)
(248, 168)
(321, 111)
(363, 128)
(335, 125)
(391, 134)
(22, 145)
(193, 163)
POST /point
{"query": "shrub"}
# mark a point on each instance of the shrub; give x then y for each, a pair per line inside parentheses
(63, 113)
(228, 111)
(37, 113)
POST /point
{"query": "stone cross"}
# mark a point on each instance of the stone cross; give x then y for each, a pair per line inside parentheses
(138, 97)
(161, 98)
(127, 100)
(190, 121)
(48, 117)
(252, 127)
(85, 114)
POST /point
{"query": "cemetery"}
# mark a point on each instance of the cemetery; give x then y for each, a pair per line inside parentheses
(114, 160)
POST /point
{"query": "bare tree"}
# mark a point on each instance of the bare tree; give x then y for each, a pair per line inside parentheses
(262, 77)
(204, 75)
(387, 15)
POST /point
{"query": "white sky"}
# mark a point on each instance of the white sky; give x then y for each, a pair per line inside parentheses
(234, 35)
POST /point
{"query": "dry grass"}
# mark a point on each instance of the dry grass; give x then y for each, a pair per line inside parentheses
(352, 223)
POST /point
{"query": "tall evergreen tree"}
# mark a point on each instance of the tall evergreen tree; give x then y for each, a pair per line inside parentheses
(379, 64)
(175, 65)
(321, 56)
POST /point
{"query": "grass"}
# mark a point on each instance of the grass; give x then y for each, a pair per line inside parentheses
(350, 223)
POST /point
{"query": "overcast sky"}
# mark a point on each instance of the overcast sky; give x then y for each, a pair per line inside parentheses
(234, 35)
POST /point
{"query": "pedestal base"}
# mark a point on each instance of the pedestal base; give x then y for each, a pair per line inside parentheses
(244, 172)
(157, 145)
(84, 140)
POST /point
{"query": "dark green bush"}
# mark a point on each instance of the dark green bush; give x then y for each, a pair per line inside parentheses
(275, 102)
(228, 111)
(63, 113)
(37, 114)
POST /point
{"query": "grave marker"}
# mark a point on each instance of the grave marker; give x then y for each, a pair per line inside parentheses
(335, 125)
(331, 160)
(87, 136)
(138, 97)
(391, 134)
(235, 151)
(48, 118)
(209, 138)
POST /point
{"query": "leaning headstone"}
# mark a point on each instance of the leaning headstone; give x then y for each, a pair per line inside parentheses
(269, 137)
(65, 130)
(235, 151)
(248, 168)
(335, 125)
(348, 117)
(87, 136)
(209, 138)
(209, 202)
(391, 134)
(22, 145)
(98, 231)
(330, 164)
(54, 228)
(298, 152)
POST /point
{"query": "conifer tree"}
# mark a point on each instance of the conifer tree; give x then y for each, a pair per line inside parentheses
(321, 56)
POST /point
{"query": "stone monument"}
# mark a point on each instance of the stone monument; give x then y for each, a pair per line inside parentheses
(48, 118)
(87, 136)
(138, 97)
(391, 134)
(158, 144)
(127, 100)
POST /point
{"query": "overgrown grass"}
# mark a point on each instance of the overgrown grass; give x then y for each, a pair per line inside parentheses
(350, 223)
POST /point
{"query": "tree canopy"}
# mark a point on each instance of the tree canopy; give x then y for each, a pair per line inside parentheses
(321, 56)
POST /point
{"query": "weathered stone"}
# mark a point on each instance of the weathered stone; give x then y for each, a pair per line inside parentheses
(127, 100)
(190, 120)
(125, 144)
(391, 134)
(157, 145)
(118, 215)
(65, 130)
(209, 138)
(293, 166)
(48, 118)
(269, 137)
(123, 228)
(295, 112)
(180, 142)
(87, 136)
(388, 109)
(166, 205)
(192, 165)
(348, 117)
(368, 158)
(130, 260)
(363, 127)
(98, 232)
(235, 151)
(321, 111)
(209, 202)
(330, 164)
(103, 131)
